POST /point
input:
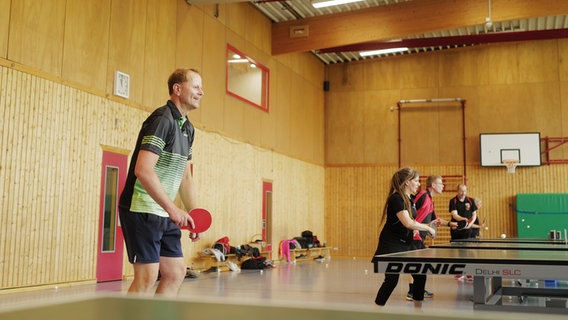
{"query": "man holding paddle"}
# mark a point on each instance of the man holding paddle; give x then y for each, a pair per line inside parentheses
(159, 169)
(464, 211)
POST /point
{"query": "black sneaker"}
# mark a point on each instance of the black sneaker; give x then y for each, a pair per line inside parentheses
(212, 269)
(189, 273)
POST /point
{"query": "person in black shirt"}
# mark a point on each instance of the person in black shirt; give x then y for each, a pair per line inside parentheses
(397, 232)
(463, 208)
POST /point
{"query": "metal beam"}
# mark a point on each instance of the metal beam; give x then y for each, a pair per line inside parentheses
(402, 20)
(453, 40)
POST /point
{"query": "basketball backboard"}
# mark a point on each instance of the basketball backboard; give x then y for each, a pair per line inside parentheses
(495, 148)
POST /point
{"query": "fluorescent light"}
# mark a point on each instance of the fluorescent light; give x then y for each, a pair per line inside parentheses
(329, 3)
(382, 51)
(237, 61)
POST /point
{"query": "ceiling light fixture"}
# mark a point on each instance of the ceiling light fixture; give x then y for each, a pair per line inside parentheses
(237, 61)
(382, 51)
(488, 21)
(328, 3)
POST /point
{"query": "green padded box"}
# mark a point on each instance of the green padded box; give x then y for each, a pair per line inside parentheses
(538, 213)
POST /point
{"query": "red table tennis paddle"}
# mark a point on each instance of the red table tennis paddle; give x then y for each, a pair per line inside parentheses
(201, 220)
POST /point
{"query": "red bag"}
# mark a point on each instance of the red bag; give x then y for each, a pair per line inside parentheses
(225, 243)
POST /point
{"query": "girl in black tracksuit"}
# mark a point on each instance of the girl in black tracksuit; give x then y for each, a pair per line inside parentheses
(396, 235)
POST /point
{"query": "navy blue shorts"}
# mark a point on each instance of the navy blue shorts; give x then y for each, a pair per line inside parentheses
(149, 237)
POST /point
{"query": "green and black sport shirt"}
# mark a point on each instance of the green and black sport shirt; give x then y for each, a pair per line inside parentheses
(170, 135)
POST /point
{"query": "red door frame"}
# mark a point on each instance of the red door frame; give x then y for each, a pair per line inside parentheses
(109, 263)
(267, 219)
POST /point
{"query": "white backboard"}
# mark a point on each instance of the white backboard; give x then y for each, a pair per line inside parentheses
(496, 147)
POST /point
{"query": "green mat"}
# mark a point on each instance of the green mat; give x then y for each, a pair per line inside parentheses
(538, 213)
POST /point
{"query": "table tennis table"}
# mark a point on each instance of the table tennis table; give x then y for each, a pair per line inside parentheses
(490, 261)
(513, 240)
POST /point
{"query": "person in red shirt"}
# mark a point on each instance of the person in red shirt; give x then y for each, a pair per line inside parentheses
(426, 214)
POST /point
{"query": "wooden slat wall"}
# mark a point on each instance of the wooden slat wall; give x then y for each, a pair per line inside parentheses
(85, 42)
(229, 177)
(57, 64)
(510, 87)
(50, 174)
(355, 197)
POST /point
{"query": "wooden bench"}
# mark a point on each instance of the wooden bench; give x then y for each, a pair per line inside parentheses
(310, 254)
(210, 260)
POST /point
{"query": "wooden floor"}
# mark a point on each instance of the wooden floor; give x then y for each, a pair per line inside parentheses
(346, 283)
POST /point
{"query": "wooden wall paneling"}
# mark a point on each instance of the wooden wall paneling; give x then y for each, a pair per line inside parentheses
(318, 125)
(352, 76)
(269, 125)
(236, 111)
(457, 68)
(382, 75)
(538, 61)
(86, 42)
(237, 19)
(189, 41)
(361, 191)
(48, 92)
(309, 111)
(5, 9)
(418, 71)
(159, 57)
(562, 152)
(450, 133)
(301, 118)
(257, 30)
(542, 102)
(14, 188)
(334, 76)
(234, 117)
(473, 108)
(36, 35)
(503, 64)
(65, 187)
(334, 125)
(216, 104)
(127, 38)
(252, 119)
(563, 61)
(4, 184)
(235, 199)
(348, 132)
(281, 108)
(417, 145)
(313, 70)
(50, 185)
(17, 184)
(218, 11)
(27, 144)
(380, 143)
(419, 139)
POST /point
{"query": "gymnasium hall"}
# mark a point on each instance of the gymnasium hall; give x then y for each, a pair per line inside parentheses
(309, 108)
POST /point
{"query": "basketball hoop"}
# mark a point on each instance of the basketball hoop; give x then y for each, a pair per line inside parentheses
(511, 164)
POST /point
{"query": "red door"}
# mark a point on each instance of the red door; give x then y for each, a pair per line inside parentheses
(267, 214)
(110, 239)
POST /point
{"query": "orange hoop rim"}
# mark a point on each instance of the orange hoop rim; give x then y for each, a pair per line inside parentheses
(511, 164)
